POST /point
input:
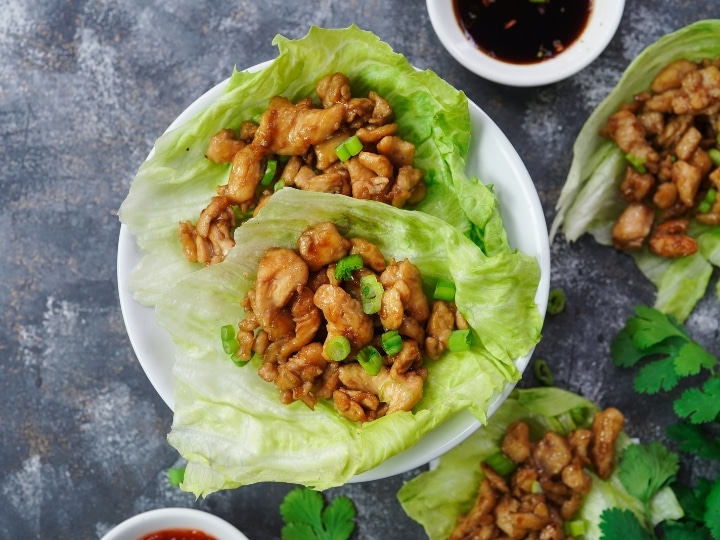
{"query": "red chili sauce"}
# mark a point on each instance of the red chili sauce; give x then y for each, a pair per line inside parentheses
(522, 31)
(178, 534)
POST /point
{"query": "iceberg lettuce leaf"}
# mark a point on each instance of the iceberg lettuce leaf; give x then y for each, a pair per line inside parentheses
(230, 424)
(589, 200)
(176, 182)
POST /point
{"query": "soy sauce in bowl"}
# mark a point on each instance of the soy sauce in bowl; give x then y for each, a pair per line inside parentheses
(522, 31)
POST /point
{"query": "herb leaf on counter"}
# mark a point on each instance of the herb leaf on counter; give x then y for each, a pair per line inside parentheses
(305, 519)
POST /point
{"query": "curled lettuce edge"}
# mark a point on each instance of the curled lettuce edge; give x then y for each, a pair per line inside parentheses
(436, 498)
(230, 425)
(588, 202)
(176, 181)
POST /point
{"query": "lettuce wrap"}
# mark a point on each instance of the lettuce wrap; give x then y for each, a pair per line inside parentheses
(230, 424)
(177, 181)
(436, 498)
(590, 200)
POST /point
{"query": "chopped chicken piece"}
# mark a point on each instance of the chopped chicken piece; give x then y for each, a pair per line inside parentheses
(552, 453)
(627, 131)
(399, 152)
(370, 253)
(401, 393)
(344, 315)
(633, 226)
(606, 427)
(439, 327)
(417, 304)
(670, 239)
(223, 146)
(516, 443)
(636, 186)
(687, 178)
(321, 245)
(672, 75)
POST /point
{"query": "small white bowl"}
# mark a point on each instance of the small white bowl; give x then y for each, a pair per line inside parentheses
(162, 519)
(601, 26)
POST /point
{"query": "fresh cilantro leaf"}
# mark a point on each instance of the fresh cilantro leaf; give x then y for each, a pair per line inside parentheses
(305, 519)
(338, 518)
(616, 523)
(303, 505)
(646, 468)
(700, 405)
(655, 376)
(651, 327)
(691, 358)
(712, 510)
(623, 351)
(673, 530)
(692, 500)
(693, 439)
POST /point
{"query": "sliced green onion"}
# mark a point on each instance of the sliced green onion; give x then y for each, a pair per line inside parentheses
(536, 488)
(270, 169)
(391, 342)
(370, 359)
(578, 415)
(637, 163)
(348, 148)
(460, 340)
(345, 266)
(279, 185)
(229, 341)
(714, 154)
(444, 290)
(337, 348)
(556, 302)
(542, 372)
(575, 528)
(371, 293)
(707, 202)
(242, 362)
(500, 463)
(176, 476)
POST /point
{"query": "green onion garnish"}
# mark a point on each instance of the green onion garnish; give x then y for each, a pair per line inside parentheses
(707, 202)
(370, 359)
(242, 362)
(371, 293)
(542, 372)
(279, 185)
(337, 348)
(536, 488)
(575, 528)
(500, 463)
(391, 342)
(556, 302)
(345, 266)
(460, 340)
(176, 476)
(714, 154)
(229, 341)
(348, 148)
(270, 169)
(578, 415)
(637, 163)
(444, 290)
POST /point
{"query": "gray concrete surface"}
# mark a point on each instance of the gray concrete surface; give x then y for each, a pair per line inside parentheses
(85, 88)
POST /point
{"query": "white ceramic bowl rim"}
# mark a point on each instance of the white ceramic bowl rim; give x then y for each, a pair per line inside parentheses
(161, 519)
(600, 29)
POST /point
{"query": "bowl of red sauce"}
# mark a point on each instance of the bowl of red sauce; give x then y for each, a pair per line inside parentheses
(525, 42)
(174, 524)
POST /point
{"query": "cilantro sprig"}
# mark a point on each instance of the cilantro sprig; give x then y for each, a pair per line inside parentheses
(665, 356)
(306, 517)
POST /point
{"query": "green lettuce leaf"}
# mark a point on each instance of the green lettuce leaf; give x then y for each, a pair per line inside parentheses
(231, 426)
(177, 181)
(436, 498)
(589, 201)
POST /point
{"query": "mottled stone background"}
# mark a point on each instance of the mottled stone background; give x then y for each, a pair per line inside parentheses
(85, 88)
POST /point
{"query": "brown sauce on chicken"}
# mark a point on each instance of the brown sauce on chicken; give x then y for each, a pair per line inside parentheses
(547, 487)
(299, 141)
(670, 135)
(298, 306)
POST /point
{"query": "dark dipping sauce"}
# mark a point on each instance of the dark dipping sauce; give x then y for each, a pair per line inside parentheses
(178, 534)
(522, 31)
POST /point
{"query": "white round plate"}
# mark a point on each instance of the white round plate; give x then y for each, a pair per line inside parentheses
(173, 518)
(491, 158)
(600, 29)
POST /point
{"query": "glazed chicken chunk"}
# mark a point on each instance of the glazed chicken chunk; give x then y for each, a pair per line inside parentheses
(297, 145)
(321, 335)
